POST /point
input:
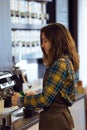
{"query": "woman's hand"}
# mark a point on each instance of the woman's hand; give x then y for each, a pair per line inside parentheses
(14, 99)
(29, 93)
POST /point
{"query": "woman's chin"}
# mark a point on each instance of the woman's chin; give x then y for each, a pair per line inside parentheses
(46, 52)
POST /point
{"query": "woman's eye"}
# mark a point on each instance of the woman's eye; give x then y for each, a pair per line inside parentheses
(45, 41)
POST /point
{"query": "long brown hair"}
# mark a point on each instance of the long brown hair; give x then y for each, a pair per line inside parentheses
(62, 44)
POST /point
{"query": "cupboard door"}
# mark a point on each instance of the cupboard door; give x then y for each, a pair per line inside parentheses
(78, 114)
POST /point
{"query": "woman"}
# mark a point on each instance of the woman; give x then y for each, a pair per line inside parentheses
(59, 92)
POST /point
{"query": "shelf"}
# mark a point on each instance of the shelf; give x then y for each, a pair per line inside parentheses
(40, 0)
(32, 56)
(27, 26)
(44, 0)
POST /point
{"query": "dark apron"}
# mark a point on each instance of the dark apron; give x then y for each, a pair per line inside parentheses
(57, 116)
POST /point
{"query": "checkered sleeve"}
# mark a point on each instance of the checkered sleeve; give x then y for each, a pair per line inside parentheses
(57, 74)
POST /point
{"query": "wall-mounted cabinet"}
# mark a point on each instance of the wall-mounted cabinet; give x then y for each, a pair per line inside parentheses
(27, 17)
(20, 22)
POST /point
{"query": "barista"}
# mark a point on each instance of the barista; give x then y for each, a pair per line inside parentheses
(62, 61)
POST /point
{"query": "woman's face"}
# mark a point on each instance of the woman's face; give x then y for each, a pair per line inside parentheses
(46, 44)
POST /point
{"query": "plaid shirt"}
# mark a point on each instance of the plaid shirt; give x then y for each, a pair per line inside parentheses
(61, 79)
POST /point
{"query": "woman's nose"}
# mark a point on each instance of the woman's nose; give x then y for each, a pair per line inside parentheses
(42, 45)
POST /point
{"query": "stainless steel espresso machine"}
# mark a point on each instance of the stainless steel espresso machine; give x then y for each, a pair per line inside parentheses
(7, 83)
(10, 83)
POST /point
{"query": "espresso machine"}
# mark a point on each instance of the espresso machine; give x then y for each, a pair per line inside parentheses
(8, 81)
